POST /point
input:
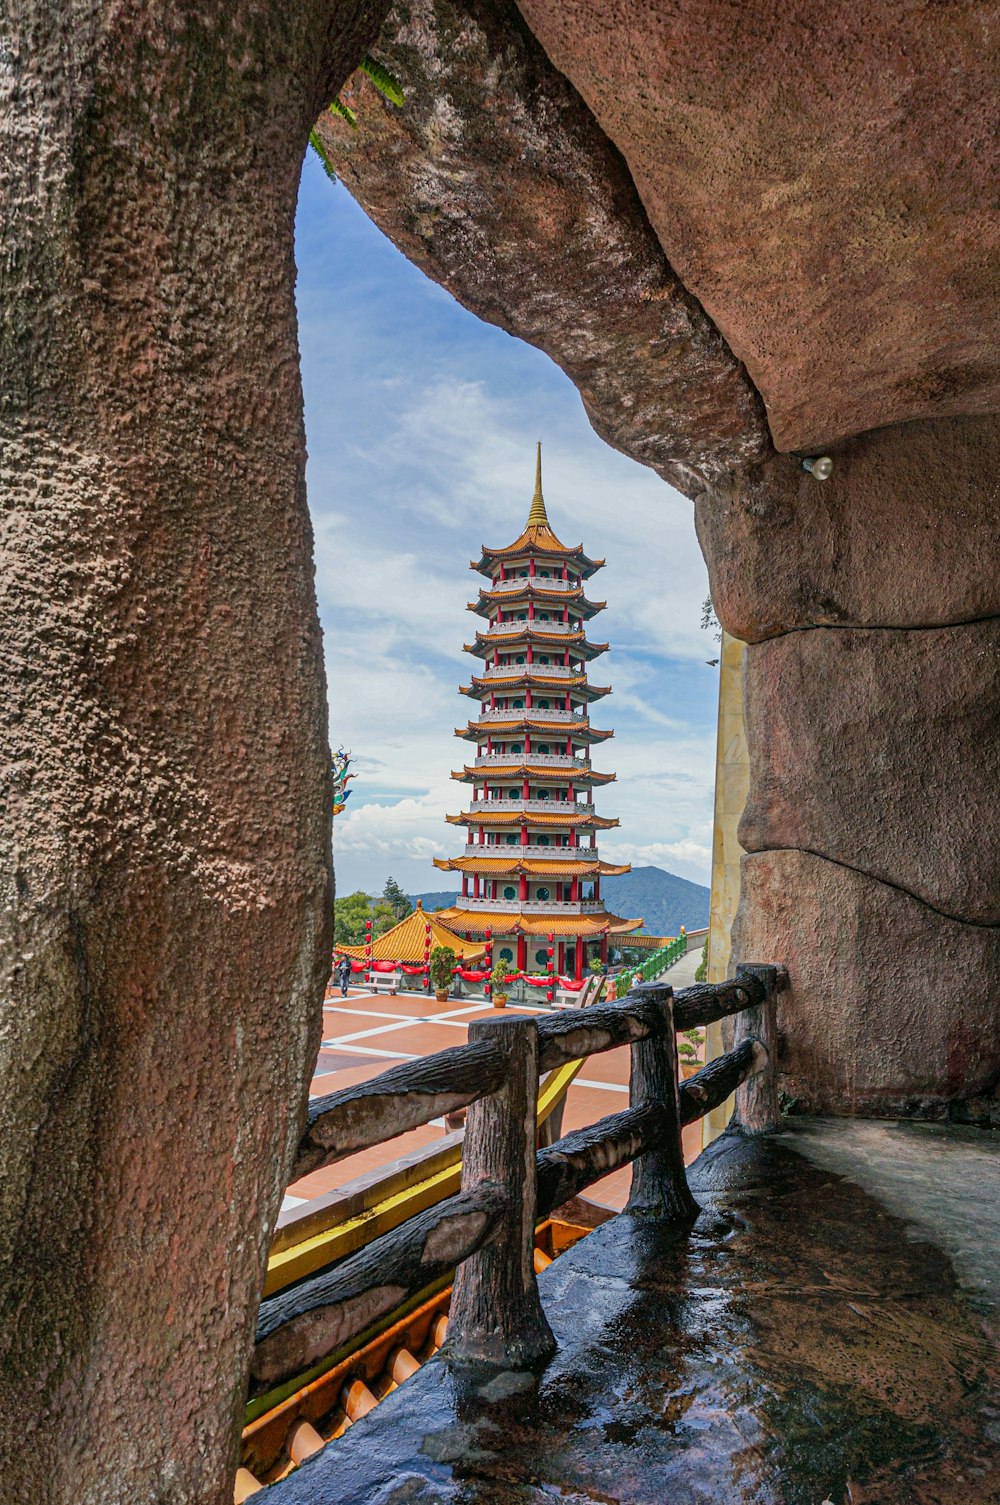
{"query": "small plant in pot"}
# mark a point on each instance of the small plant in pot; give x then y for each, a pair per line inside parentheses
(498, 983)
(689, 1051)
(441, 964)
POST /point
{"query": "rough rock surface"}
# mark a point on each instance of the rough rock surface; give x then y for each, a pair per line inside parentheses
(891, 1008)
(164, 808)
(880, 750)
(905, 533)
(823, 178)
(495, 179)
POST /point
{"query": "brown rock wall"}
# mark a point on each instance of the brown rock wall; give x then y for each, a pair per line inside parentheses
(881, 750)
(905, 533)
(164, 806)
(496, 181)
(891, 1008)
(822, 177)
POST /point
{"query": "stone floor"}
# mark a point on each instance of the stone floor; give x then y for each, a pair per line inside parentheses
(827, 1332)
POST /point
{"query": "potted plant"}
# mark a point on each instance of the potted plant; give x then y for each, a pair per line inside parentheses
(498, 983)
(441, 964)
(689, 1051)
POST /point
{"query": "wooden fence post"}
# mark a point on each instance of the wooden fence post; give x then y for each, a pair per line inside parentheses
(496, 1315)
(659, 1181)
(757, 1098)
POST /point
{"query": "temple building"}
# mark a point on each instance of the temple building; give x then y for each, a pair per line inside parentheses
(532, 866)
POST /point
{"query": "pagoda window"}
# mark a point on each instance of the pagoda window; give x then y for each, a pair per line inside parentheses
(522, 616)
(522, 574)
(541, 958)
(543, 747)
(506, 955)
(546, 574)
(519, 659)
(511, 841)
(542, 841)
(541, 895)
(587, 891)
(541, 794)
(543, 705)
(510, 893)
(518, 705)
(516, 747)
(543, 658)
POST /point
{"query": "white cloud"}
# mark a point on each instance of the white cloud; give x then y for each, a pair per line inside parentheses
(422, 424)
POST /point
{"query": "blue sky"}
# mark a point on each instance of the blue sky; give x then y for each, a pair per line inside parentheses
(421, 424)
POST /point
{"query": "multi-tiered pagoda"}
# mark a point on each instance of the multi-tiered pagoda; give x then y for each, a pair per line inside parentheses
(532, 864)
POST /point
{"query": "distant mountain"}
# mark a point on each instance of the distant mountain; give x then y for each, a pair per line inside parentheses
(665, 901)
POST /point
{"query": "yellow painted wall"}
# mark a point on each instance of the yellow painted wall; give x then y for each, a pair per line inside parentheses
(732, 776)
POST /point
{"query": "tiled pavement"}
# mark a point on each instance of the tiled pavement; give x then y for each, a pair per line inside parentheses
(366, 1033)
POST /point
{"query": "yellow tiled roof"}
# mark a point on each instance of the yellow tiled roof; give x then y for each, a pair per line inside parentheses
(533, 771)
(530, 818)
(532, 867)
(405, 942)
(557, 729)
(514, 924)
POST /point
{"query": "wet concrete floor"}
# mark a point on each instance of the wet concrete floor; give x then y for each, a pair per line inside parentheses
(827, 1332)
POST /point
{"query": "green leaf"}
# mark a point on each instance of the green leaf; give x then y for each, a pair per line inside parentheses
(345, 113)
(385, 82)
(317, 147)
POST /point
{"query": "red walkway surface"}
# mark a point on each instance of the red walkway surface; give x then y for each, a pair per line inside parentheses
(366, 1033)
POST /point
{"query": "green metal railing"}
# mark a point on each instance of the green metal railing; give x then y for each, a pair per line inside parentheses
(656, 964)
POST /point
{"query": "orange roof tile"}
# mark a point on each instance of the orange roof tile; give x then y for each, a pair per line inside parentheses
(502, 923)
(405, 942)
(530, 818)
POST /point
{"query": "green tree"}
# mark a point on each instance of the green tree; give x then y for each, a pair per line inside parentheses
(397, 901)
(349, 916)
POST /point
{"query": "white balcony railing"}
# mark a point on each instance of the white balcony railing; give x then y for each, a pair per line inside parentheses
(537, 760)
(532, 906)
(513, 629)
(493, 850)
(536, 712)
(547, 671)
(567, 808)
(541, 581)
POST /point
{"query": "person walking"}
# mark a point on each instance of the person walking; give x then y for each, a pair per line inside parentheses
(344, 973)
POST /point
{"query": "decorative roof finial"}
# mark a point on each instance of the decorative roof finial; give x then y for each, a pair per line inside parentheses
(537, 517)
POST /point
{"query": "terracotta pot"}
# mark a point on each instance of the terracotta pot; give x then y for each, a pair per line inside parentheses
(441, 995)
(499, 1000)
(690, 1068)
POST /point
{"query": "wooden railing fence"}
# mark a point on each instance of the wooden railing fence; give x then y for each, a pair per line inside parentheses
(486, 1230)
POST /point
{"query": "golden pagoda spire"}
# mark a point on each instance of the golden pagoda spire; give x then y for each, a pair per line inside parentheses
(537, 517)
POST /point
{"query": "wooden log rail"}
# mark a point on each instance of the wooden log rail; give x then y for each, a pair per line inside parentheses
(487, 1228)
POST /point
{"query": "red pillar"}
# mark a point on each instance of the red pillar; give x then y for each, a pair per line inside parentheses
(522, 953)
(465, 885)
(574, 892)
(579, 958)
(475, 887)
(523, 888)
(524, 789)
(604, 948)
(524, 836)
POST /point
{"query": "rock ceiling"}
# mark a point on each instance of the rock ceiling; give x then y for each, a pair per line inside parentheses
(735, 227)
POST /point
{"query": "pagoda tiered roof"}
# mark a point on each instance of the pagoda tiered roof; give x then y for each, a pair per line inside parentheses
(533, 771)
(533, 867)
(518, 817)
(531, 675)
(506, 922)
(535, 608)
(537, 538)
(536, 635)
(536, 588)
(580, 730)
(406, 941)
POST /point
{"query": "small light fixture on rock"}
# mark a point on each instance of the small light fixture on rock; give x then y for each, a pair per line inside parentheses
(820, 467)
